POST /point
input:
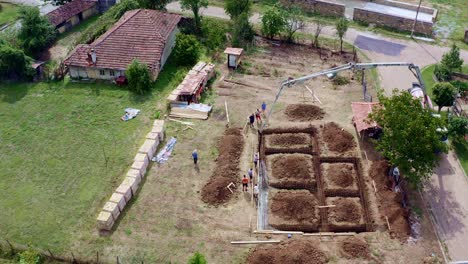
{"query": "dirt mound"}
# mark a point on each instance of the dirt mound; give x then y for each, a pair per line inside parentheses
(293, 251)
(215, 191)
(346, 210)
(304, 112)
(227, 168)
(337, 139)
(292, 166)
(341, 175)
(289, 139)
(355, 248)
(389, 202)
(298, 206)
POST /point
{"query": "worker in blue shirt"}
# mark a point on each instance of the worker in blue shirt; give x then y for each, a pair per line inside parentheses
(195, 156)
(263, 107)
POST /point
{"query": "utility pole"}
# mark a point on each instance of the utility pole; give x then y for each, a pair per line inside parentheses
(416, 18)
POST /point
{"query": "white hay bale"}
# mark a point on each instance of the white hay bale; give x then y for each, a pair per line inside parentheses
(119, 199)
(105, 221)
(126, 190)
(133, 184)
(112, 208)
(132, 173)
(140, 166)
(140, 157)
(148, 147)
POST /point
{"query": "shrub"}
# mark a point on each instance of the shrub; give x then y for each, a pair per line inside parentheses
(273, 21)
(452, 59)
(36, 32)
(187, 49)
(461, 86)
(242, 31)
(236, 7)
(442, 73)
(214, 33)
(138, 76)
(444, 94)
(14, 64)
(341, 27)
(340, 80)
(197, 258)
(30, 257)
(458, 127)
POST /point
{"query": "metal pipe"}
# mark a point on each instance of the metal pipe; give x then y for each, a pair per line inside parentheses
(416, 19)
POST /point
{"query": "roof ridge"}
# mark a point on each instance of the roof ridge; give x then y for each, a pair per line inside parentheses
(110, 31)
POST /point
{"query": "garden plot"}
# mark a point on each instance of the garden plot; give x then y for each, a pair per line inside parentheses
(287, 142)
(346, 215)
(294, 210)
(336, 142)
(291, 171)
(339, 179)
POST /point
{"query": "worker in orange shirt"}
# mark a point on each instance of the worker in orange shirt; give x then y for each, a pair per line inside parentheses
(245, 184)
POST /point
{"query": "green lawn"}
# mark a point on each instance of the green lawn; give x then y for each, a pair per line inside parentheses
(55, 139)
(8, 13)
(452, 19)
(427, 75)
(461, 148)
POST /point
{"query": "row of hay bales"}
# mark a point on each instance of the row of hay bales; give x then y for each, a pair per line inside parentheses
(129, 187)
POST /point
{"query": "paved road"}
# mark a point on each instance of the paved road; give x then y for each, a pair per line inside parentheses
(446, 193)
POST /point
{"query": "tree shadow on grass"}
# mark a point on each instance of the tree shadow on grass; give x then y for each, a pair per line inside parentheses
(13, 92)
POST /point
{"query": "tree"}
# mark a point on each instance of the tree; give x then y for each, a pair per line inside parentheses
(236, 7)
(57, 2)
(187, 49)
(195, 6)
(444, 94)
(154, 4)
(442, 72)
(341, 27)
(318, 29)
(36, 32)
(452, 59)
(14, 64)
(294, 22)
(273, 21)
(242, 32)
(138, 76)
(410, 139)
(197, 258)
(214, 33)
(458, 127)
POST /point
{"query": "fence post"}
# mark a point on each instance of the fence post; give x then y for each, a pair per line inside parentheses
(118, 261)
(97, 257)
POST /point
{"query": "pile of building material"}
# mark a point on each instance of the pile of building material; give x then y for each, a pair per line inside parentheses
(184, 100)
(129, 186)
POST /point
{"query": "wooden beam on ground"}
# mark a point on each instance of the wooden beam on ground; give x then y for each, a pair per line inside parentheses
(227, 112)
(326, 206)
(388, 223)
(277, 232)
(182, 122)
(330, 234)
(313, 94)
(247, 84)
(255, 242)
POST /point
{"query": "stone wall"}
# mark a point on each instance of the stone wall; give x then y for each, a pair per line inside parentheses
(391, 21)
(423, 9)
(318, 6)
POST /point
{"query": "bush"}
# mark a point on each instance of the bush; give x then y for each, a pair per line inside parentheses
(14, 64)
(187, 49)
(138, 76)
(273, 21)
(36, 32)
(442, 73)
(242, 31)
(444, 94)
(461, 86)
(236, 7)
(458, 127)
(214, 33)
(197, 258)
(340, 80)
(30, 257)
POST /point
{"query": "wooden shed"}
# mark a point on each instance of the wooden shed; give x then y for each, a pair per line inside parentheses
(233, 56)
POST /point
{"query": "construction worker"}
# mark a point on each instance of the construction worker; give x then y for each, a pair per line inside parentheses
(258, 116)
(255, 159)
(245, 184)
(250, 172)
(255, 193)
(263, 107)
(252, 120)
(195, 156)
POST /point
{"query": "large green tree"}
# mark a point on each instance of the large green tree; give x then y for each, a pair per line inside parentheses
(138, 76)
(341, 27)
(154, 4)
(410, 139)
(36, 32)
(236, 7)
(194, 6)
(444, 94)
(14, 64)
(273, 21)
(242, 31)
(294, 21)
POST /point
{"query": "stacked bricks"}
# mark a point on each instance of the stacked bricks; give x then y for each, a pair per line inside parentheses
(129, 186)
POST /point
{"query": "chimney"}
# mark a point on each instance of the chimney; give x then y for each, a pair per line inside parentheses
(93, 56)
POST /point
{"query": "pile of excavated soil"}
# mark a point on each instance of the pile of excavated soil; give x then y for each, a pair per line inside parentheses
(295, 205)
(292, 251)
(337, 139)
(355, 248)
(298, 166)
(289, 140)
(346, 210)
(227, 168)
(341, 174)
(304, 112)
(389, 203)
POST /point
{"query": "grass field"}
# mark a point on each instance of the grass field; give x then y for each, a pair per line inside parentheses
(427, 75)
(8, 13)
(64, 149)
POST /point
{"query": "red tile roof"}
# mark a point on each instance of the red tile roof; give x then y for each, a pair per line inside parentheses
(361, 111)
(69, 10)
(140, 34)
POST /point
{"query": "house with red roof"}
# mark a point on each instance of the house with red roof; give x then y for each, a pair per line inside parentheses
(71, 14)
(142, 34)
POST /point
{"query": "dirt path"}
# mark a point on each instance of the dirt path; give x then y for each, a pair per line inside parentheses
(446, 195)
(374, 46)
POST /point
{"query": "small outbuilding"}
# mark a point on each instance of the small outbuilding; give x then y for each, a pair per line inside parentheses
(234, 57)
(361, 121)
(71, 14)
